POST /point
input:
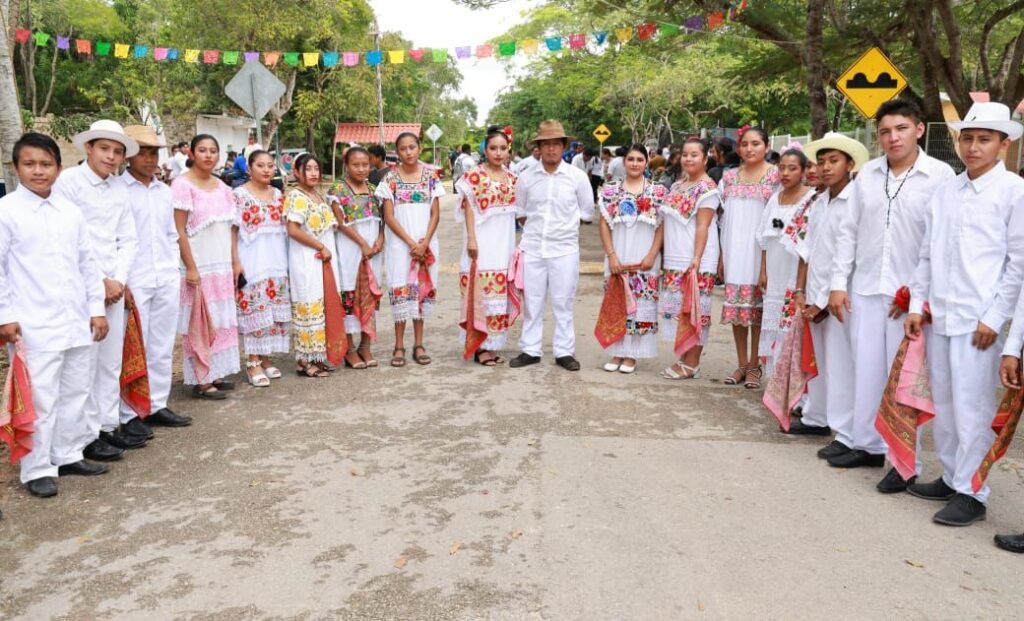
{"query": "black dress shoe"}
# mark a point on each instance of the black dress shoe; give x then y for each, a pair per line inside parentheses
(833, 449)
(99, 450)
(82, 468)
(857, 459)
(522, 360)
(135, 427)
(166, 418)
(43, 487)
(224, 385)
(1011, 543)
(798, 428)
(963, 510)
(568, 363)
(121, 440)
(936, 490)
(893, 483)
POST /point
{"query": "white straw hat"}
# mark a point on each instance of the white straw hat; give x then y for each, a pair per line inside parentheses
(839, 142)
(990, 115)
(105, 129)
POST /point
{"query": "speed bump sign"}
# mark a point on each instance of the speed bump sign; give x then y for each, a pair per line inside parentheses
(602, 133)
(871, 81)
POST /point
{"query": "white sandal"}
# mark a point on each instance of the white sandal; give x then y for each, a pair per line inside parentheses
(260, 380)
(272, 372)
(611, 367)
(625, 368)
(688, 372)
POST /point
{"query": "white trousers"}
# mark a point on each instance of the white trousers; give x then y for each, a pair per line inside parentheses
(874, 339)
(158, 312)
(60, 389)
(964, 381)
(103, 408)
(832, 390)
(555, 278)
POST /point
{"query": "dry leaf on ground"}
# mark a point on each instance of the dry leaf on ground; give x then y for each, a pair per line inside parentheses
(400, 563)
(454, 547)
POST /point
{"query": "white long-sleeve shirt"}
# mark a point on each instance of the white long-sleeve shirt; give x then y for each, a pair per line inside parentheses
(156, 264)
(972, 259)
(879, 242)
(104, 204)
(49, 281)
(553, 205)
(825, 217)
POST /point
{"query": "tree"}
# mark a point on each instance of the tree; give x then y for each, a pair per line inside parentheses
(10, 116)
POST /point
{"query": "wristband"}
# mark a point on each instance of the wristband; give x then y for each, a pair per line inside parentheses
(796, 291)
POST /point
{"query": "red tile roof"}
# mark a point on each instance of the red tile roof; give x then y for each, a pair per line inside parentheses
(366, 133)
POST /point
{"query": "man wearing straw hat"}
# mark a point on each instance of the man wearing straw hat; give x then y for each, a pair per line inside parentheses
(553, 197)
(96, 188)
(154, 279)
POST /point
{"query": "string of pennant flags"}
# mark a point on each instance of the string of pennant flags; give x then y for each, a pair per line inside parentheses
(90, 49)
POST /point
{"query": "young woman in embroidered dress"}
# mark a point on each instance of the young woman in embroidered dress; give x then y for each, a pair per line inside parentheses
(311, 247)
(778, 264)
(487, 207)
(260, 256)
(204, 211)
(632, 234)
(360, 236)
(745, 190)
(411, 211)
(691, 243)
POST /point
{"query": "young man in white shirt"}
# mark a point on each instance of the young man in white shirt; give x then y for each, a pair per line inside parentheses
(463, 163)
(970, 272)
(96, 187)
(616, 170)
(830, 395)
(878, 244)
(553, 197)
(154, 279)
(51, 300)
(178, 164)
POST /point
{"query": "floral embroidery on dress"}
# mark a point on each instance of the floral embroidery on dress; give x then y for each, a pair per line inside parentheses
(620, 205)
(732, 187)
(789, 310)
(421, 191)
(355, 206)
(254, 216)
(742, 305)
(316, 218)
(795, 232)
(684, 200)
(487, 192)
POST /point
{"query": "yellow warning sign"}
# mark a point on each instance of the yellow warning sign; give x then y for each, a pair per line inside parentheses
(602, 133)
(871, 81)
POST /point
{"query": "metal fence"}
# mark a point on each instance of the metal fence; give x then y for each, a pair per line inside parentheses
(940, 143)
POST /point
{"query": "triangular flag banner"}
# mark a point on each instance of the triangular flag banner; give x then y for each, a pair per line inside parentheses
(330, 59)
(530, 46)
(645, 31)
(396, 57)
(160, 53)
(350, 59)
(121, 50)
(231, 58)
(623, 34)
(600, 37)
(83, 46)
(140, 51)
(715, 20)
(63, 43)
(291, 59)
(417, 55)
(271, 59)
(173, 53)
(251, 57)
(507, 49)
(103, 48)
(484, 51)
(554, 43)
(667, 30)
(310, 59)
(210, 57)
(462, 52)
(374, 58)
(42, 38)
(577, 41)
(21, 35)
(440, 55)
(694, 23)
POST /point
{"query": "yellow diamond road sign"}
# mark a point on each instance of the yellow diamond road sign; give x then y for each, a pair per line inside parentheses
(871, 81)
(602, 133)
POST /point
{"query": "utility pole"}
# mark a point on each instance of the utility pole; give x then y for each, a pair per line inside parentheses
(380, 83)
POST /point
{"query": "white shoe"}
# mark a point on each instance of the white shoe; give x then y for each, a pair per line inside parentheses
(626, 369)
(611, 367)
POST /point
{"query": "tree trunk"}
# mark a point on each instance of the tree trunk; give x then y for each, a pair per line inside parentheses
(931, 102)
(814, 60)
(10, 113)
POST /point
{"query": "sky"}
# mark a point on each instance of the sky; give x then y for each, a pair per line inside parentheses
(447, 24)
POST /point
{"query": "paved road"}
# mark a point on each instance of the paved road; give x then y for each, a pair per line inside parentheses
(459, 492)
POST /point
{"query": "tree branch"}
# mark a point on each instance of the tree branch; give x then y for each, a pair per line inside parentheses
(986, 32)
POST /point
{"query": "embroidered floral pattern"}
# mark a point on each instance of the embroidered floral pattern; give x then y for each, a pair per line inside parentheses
(316, 218)
(795, 232)
(487, 193)
(421, 191)
(406, 305)
(684, 200)
(254, 216)
(742, 305)
(732, 187)
(789, 311)
(355, 206)
(619, 205)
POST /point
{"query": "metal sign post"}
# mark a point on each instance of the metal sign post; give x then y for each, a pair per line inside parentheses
(434, 132)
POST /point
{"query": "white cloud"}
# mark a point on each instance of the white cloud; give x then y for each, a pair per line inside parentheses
(447, 24)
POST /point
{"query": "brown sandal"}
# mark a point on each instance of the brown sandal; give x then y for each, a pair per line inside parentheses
(396, 360)
(736, 377)
(423, 358)
(753, 378)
